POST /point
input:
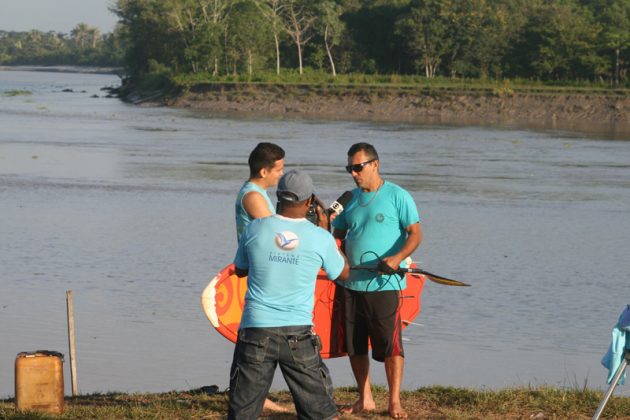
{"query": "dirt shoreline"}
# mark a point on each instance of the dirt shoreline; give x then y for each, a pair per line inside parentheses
(608, 115)
(64, 69)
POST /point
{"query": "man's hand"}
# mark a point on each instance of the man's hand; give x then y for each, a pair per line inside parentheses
(345, 273)
(322, 218)
(241, 272)
(388, 265)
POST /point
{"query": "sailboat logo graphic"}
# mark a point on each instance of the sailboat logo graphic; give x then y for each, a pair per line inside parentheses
(287, 240)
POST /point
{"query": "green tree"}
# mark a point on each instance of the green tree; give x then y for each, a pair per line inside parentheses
(215, 13)
(371, 42)
(94, 34)
(81, 35)
(55, 48)
(113, 48)
(272, 11)
(148, 35)
(480, 32)
(614, 16)
(200, 31)
(332, 27)
(299, 18)
(32, 45)
(248, 39)
(558, 42)
(424, 29)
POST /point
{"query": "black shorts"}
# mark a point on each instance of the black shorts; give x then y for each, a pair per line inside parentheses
(373, 315)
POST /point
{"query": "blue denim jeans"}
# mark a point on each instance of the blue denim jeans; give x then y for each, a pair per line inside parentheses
(258, 352)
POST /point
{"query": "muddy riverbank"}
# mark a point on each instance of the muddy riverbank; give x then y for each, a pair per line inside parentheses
(588, 112)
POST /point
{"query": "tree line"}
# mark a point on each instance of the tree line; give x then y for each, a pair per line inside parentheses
(84, 45)
(548, 40)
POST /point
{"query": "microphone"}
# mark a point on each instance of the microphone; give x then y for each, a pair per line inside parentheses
(338, 205)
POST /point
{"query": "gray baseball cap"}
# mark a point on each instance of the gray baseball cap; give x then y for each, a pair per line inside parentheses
(295, 186)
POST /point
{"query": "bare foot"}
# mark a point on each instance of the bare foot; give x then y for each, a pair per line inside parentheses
(396, 411)
(272, 406)
(359, 406)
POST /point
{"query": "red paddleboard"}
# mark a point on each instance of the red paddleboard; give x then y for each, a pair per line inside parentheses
(223, 301)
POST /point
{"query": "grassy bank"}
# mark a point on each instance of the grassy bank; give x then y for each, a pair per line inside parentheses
(321, 82)
(587, 107)
(403, 82)
(431, 402)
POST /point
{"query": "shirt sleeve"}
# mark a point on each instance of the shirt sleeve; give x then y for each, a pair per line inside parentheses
(340, 222)
(407, 210)
(333, 261)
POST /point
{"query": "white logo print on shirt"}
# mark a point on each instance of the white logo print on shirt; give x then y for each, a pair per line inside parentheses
(287, 240)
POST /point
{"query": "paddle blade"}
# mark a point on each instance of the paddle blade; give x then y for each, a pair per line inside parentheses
(430, 276)
(443, 280)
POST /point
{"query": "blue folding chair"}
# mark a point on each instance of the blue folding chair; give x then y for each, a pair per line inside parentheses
(617, 358)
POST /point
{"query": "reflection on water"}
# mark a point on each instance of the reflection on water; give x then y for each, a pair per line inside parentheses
(131, 208)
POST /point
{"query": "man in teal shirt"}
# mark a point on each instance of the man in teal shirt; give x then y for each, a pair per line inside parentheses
(281, 255)
(380, 227)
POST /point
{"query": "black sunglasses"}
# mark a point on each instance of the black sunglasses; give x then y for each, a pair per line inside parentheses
(358, 167)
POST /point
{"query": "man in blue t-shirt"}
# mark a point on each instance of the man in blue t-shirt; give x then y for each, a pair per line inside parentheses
(281, 255)
(381, 227)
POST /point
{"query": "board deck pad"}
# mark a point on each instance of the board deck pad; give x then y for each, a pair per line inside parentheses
(223, 301)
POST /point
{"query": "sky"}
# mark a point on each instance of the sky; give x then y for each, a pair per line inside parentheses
(55, 15)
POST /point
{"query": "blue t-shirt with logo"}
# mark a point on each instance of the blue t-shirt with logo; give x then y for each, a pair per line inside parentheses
(283, 256)
(376, 223)
(242, 217)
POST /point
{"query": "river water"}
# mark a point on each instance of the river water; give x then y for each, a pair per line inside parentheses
(131, 208)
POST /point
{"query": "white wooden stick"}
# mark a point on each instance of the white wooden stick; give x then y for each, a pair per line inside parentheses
(73, 361)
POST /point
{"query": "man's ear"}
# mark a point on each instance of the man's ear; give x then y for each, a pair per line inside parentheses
(263, 173)
(309, 200)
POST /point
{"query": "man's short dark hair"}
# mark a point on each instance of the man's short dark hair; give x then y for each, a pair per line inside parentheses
(366, 148)
(265, 156)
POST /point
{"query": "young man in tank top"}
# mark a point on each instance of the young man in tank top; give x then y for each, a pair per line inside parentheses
(266, 166)
(380, 226)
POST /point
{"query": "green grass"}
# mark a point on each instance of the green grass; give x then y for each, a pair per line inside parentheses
(17, 93)
(430, 402)
(402, 82)
(370, 87)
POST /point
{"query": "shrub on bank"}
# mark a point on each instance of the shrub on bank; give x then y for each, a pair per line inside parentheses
(499, 87)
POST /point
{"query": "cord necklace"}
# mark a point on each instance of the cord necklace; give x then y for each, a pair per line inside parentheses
(373, 197)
